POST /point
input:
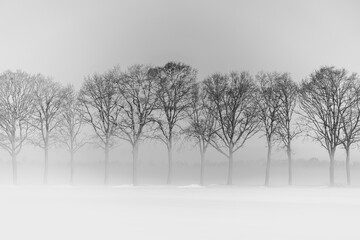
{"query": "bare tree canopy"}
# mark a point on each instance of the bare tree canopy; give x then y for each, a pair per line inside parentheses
(71, 125)
(16, 109)
(174, 82)
(202, 122)
(49, 97)
(323, 102)
(235, 111)
(101, 107)
(137, 89)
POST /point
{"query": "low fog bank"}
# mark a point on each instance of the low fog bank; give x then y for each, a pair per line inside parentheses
(310, 168)
(249, 173)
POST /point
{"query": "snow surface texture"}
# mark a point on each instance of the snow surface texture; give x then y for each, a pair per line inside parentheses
(188, 212)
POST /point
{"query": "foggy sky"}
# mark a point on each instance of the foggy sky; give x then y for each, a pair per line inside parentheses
(72, 39)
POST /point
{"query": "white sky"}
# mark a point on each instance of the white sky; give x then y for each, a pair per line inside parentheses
(71, 39)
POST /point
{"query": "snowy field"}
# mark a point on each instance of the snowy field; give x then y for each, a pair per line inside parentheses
(189, 212)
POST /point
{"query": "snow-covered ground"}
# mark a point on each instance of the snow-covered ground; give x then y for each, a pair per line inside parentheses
(187, 212)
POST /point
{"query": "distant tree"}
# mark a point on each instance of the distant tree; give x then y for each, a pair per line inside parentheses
(286, 132)
(202, 123)
(71, 125)
(323, 102)
(268, 103)
(138, 91)
(235, 112)
(173, 82)
(16, 109)
(101, 107)
(350, 122)
(49, 97)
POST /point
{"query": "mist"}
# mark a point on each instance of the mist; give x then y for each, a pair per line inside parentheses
(95, 142)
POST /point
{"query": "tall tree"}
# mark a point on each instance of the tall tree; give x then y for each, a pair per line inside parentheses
(323, 102)
(49, 97)
(202, 123)
(101, 106)
(350, 122)
(286, 132)
(174, 82)
(16, 108)
(235, 112)
(268, 102)
(138, 91)
(71, 125)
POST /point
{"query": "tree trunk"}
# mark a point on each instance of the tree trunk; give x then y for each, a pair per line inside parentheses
(348, 176)
(14, 167)
(135, 162)
(332, 168)
(202, 165)
(169, 177)
(288, 151)
(268, 163)
(46, 151)
(106, 177)
(72, 167)
(230, 169)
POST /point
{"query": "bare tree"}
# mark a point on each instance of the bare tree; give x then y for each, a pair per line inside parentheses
(138, 91)
(235, 112)
(268, 104)
(323, 102)
(16, 108)
(202, 123)
(101, 108)
(49, 97)
(71, 125)
(174, 82)
(351, 122)
(286, 132)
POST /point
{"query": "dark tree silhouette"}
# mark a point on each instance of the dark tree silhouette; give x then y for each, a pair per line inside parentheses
(49, 97)
(101, 107)
(286, 132)
(137, 89)
(351, 122)
(16, 109)
(174, 82)
(235, 112)
(323, 102)
(202, 123)
(268, 102)
(71, 125)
